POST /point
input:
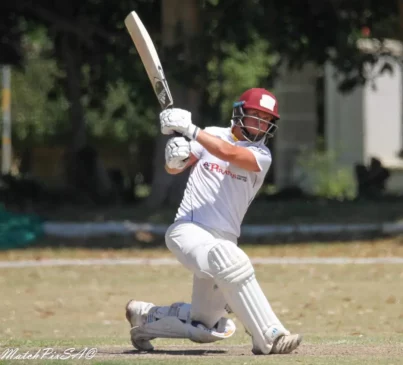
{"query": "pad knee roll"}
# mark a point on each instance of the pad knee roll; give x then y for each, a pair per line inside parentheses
(230, 264)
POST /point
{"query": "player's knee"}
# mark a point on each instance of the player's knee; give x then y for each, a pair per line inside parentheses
(229, 263)
(170, 241)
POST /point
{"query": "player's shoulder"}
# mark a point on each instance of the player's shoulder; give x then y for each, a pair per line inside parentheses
(263, 149)
(259, 148)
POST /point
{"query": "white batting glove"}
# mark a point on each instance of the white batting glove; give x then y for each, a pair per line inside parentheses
(178, 120)
(177, 152)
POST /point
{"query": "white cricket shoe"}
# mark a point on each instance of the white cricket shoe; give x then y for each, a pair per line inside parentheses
(136, 314)
(286, 344)
(283, 344)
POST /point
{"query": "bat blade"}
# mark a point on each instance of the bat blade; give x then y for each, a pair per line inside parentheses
(149, 56)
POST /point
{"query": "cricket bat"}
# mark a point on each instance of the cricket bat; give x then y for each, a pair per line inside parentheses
(149, 56)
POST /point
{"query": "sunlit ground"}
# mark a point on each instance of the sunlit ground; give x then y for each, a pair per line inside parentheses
(348, 314)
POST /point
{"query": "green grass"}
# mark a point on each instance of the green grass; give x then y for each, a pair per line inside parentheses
(348, 314)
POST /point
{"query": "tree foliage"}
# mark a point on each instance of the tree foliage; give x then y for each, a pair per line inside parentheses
(237, 70)
(241, 45)
(36, 117)
(308, 30)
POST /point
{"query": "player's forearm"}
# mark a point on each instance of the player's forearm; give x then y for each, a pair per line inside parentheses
(216, 146)
(173, 171)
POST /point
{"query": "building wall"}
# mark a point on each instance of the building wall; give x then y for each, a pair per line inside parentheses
(368, 122)
(344, 126)
(359, 125)
(383, 114)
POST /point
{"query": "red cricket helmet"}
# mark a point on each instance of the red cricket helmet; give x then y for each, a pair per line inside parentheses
(260, 99)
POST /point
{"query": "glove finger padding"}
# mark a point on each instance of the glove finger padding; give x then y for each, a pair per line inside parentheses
(178, 120)
(175, 114)
(177, 152)
(174, 119)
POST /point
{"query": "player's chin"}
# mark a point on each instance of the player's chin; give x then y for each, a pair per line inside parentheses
(257, 137)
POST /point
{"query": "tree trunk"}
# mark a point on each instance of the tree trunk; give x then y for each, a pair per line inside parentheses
(400, 7)
(185, 16)
(70, 48)
(85, 172)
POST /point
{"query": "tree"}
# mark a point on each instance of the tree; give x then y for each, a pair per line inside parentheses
(36, 118)
(91, 47)
(312, 31)
(400, 6)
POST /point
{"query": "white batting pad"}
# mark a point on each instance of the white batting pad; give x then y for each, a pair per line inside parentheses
(235, 276)
(174, 322)
(173, 327)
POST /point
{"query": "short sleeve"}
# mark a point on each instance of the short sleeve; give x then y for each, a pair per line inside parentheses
(263, 157)
(196, 149)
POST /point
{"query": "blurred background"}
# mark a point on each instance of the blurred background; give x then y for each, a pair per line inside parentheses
(80, 131)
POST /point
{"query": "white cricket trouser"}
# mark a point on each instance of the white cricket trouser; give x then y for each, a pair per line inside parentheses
(190, 243)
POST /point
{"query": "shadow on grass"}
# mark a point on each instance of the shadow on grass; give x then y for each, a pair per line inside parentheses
(187, 352)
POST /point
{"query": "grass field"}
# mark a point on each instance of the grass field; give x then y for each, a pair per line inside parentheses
(348, 314)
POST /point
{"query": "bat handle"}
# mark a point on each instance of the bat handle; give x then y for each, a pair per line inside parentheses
(177, 134)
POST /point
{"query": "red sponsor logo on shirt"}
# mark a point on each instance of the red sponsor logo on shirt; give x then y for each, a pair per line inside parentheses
(213, 167)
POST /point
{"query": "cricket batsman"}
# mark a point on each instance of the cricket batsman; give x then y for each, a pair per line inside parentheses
(228, 166)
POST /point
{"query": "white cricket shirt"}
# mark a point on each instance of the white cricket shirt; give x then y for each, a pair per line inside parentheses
(219, 193)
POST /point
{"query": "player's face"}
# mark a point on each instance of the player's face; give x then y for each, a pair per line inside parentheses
(256, 121)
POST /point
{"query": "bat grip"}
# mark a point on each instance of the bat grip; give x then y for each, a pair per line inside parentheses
(177, 134)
